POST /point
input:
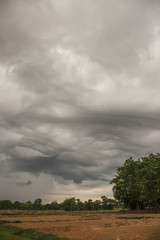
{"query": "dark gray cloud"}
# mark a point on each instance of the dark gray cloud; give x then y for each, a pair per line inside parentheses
(24, 184)
(79, 86)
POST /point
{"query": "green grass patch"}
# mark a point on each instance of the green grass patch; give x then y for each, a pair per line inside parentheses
(8, 232)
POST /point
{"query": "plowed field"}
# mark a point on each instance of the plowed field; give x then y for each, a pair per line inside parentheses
(88, 225)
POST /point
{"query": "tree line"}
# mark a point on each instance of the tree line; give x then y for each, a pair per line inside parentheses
(137, 183)
(69, 204)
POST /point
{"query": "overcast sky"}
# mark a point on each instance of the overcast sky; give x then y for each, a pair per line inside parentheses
(79, 94)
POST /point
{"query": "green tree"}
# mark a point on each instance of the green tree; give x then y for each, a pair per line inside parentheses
(37, 205)
(28, 205)
(79, 205)
(6, 204)
(89, 205)
(54, 205)
(108, 203)
(137, 183)
(104, 202)
(126, 188)
(150, 180)
(97, 205)
(69, 204)
(17, 205)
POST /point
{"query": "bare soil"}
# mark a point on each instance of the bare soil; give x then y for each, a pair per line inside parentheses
(88, 225)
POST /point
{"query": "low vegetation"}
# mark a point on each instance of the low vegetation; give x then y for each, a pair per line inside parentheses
(16, 233)
(81, 225)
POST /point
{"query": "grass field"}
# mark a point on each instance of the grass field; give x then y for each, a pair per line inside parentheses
(80, 225)
(16, 233)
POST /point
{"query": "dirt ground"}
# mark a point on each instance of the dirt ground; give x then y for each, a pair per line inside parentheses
(88, 225)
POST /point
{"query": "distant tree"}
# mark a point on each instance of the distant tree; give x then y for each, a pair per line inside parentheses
(6, 204)
(54, 205)
(47, 206)
(97, 205)
(104, 202)
(108, 203)
(79, 205)
(89, 205)
(111, 204)
(28, 205)
(69, 204)
(37, 205)
(17, 205)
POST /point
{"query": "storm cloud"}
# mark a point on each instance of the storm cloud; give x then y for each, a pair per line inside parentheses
(24, 184)
(79, 86)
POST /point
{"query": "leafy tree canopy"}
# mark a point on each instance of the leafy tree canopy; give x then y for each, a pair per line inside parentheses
(137, 183)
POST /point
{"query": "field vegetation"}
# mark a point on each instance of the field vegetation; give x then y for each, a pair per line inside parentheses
(82, 225)
(8, 232)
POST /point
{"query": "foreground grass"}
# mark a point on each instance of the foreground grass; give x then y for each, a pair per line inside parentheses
(8, 232)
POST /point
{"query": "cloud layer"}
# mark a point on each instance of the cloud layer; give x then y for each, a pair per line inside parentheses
(79, 86)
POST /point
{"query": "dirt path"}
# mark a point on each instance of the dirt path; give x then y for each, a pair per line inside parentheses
(88, 225)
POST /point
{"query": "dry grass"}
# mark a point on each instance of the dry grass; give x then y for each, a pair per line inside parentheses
(88, 225)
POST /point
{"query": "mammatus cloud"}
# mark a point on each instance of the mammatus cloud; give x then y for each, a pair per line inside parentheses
(79, 85)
